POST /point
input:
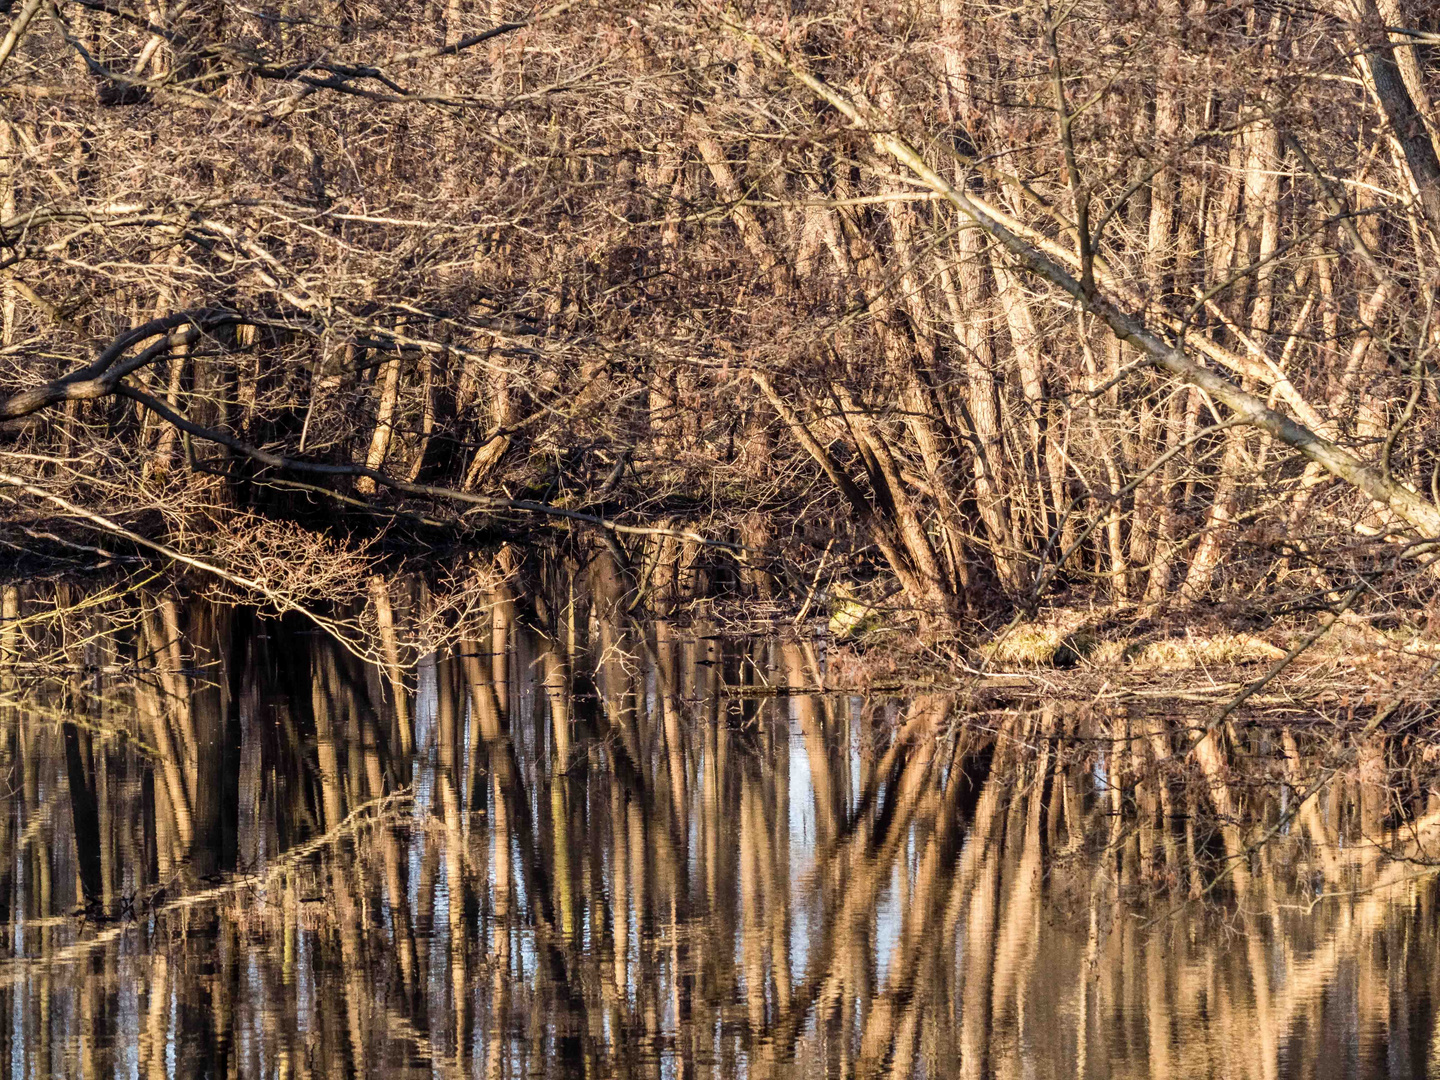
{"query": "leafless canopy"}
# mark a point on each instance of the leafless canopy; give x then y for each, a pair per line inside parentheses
(1131, 302)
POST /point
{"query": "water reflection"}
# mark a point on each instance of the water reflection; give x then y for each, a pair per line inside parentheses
(570, 845)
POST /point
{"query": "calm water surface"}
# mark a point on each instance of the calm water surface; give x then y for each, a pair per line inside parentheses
(230, 848)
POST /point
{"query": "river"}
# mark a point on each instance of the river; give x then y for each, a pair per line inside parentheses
(231, 847)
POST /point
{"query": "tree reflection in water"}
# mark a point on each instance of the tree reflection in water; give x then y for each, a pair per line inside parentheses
(228, 846)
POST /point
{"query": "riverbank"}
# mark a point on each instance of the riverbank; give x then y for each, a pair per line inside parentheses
(1314, 662)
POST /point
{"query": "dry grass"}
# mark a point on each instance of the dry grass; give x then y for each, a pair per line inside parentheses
(1192, 650)
(1066, 638)
(1043, 642)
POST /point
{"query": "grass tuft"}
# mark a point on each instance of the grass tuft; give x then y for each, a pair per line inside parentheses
(1066, 638)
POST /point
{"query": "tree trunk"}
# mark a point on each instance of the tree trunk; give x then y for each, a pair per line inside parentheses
(389, 377)
(1383, 75)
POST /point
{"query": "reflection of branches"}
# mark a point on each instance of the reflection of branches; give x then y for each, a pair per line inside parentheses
(895, 884)
(282, 600)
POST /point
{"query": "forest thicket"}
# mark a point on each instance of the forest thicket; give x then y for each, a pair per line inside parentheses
(991, 305)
